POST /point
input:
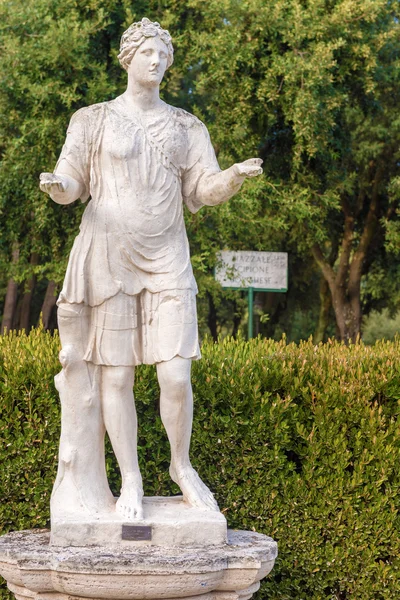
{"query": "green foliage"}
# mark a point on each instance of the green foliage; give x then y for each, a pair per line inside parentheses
(47, 63)
(54, 58)
(379, 326)
(299, 442)
(313, 87)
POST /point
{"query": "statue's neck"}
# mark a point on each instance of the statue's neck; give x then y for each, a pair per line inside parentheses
(145, 99)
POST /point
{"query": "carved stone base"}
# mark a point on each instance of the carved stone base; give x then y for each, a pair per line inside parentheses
(34, 570)
(167, 522)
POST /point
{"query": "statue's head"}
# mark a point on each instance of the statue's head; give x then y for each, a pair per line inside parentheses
(136, 34)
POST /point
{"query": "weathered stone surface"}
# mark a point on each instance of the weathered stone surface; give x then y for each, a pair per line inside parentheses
(172, 522)
(129, 293)
(36, 570)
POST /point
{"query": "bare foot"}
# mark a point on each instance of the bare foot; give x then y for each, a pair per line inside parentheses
(194, 491)
(129, 504)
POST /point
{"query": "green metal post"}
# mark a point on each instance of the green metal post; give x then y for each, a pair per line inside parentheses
(250, 300)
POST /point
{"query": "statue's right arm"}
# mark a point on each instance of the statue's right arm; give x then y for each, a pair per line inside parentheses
(70, 179)
(61, 187)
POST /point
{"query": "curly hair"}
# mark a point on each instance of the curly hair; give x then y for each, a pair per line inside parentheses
(136, 34)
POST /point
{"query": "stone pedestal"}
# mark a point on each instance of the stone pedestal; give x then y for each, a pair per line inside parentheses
(167, 522)
(36, 570)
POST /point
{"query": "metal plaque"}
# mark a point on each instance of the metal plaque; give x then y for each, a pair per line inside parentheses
(136, 533)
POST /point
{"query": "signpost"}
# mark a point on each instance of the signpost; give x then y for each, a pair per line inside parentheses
(254, 272)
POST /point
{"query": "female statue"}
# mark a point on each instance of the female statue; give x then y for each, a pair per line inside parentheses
(129, 293)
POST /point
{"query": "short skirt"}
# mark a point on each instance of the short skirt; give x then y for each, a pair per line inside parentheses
(146, 328)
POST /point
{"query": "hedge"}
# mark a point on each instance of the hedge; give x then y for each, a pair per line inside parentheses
(299, 442)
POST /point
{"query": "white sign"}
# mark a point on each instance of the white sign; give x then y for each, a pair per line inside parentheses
(259, 270)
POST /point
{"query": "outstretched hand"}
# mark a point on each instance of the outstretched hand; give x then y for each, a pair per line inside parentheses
(50, 183)
(250, 167)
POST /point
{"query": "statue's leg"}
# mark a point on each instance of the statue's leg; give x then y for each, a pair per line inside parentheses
(176, 405)
(120, 419)
(81, 487)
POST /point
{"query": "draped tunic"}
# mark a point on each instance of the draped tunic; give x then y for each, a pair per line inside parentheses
(138, 175)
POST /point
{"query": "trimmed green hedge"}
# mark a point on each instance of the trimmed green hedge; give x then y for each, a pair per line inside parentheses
(300, 442)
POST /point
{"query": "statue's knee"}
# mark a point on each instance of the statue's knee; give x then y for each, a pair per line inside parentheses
(118, 380)
(176, 387)
(174, 376)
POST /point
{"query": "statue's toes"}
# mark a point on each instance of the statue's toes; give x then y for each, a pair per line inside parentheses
(139, 515)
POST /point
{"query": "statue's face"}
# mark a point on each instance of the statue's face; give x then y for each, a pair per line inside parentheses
(149, 62)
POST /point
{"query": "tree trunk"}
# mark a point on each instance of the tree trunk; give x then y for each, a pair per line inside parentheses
(10, 303)
(9, 306)
(346, 300)
(324, 310)
(49, 303)
(345, 283)
(348, 316)
(212, 317)
(24, 319)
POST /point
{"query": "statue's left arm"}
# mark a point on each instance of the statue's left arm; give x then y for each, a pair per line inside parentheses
(215, 188)
(203, 182)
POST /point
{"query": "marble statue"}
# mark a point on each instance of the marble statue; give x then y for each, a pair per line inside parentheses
(129, 295)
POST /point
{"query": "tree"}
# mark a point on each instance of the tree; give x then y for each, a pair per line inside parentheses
(56, 58)
(312, 86)
(316, 86)
(48, 62)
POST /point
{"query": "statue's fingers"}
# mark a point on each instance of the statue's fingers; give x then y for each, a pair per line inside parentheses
(255, 172)
(46, 183)
(45, 177)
